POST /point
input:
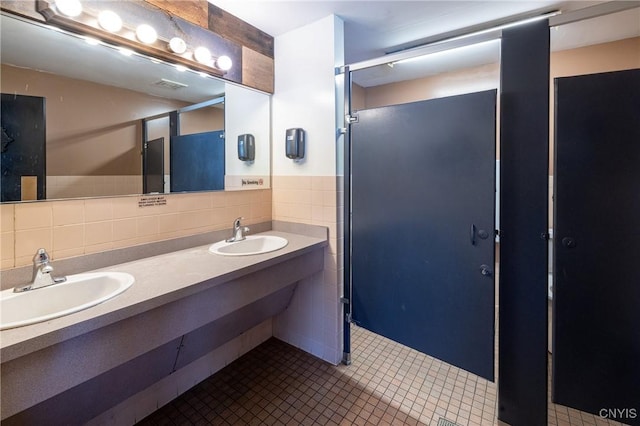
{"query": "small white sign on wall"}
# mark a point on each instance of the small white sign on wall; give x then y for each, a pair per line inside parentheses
(154, 200)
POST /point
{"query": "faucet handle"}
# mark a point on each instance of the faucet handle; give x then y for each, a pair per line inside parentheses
(41, 257)
(236, 223)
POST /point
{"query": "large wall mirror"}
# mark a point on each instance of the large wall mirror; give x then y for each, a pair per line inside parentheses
(82, 119)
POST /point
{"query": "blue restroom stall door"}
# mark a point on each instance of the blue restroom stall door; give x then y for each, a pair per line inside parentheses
(196, 162)
(423, 204)
(596, 318)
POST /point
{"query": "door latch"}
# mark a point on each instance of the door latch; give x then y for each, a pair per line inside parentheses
(486, 270)
(479, 232)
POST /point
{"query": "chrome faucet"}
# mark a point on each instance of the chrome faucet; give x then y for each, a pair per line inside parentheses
(238, 231)
(41, 273)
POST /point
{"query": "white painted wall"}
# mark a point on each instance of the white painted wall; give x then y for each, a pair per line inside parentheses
(305, 96)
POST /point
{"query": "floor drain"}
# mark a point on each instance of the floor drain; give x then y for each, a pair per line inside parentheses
(444, 422)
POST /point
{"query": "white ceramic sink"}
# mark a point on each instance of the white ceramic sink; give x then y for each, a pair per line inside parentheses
(80, 291)
(253, 244)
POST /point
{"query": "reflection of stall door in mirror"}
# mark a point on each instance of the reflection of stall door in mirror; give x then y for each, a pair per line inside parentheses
(153, 166)
(197, 162)
(23, 146)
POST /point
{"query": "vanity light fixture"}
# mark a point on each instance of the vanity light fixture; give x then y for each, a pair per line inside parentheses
(70, 8)
(146, 34)
(110, 21)
(177, 45)
(224, 63)
(202, 55)
(109, 27)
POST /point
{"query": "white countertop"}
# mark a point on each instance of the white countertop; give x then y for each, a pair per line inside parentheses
(158, 280)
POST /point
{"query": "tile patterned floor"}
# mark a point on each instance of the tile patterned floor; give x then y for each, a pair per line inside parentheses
(387, 384)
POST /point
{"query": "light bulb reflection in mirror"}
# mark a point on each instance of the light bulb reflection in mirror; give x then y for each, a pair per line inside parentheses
(92, 41)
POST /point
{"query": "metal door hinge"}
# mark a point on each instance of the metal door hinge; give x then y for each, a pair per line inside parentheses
(350, 119)
(344, 300)
(348, 318)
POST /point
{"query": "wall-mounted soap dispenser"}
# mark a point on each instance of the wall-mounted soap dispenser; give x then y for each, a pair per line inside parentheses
(246, 147)
(294, 145)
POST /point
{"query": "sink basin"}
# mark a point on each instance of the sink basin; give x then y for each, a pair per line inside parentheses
(80, 291)
(253, 244)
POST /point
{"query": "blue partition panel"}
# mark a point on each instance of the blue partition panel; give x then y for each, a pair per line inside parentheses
(197, 162)
(423, 191)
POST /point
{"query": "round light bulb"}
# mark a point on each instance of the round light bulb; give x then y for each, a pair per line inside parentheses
(69, 7)
(202, 55)
(224, 63)
(110, 21)
(146, 33)
(177, 45)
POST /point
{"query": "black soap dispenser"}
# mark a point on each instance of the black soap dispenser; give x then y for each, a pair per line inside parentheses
(294, 144)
